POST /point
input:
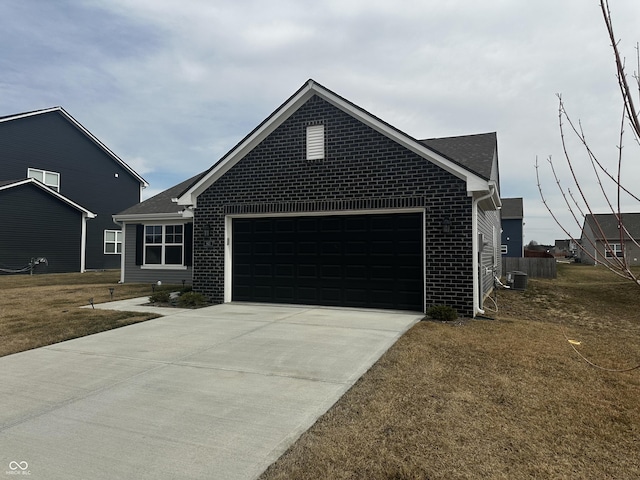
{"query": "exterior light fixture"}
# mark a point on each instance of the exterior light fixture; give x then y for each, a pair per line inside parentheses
(446, 225)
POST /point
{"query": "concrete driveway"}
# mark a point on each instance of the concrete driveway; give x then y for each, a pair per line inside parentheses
(215, 393)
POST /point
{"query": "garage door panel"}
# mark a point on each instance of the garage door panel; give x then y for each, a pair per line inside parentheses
(307, 295)
(353, 260)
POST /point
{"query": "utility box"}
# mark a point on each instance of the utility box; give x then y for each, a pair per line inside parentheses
(517, 280)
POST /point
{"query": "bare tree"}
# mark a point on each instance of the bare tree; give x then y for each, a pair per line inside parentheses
(580, 205)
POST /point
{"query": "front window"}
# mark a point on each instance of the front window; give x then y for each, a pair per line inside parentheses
(615, 251)
(112, 241)
(163, 244)
(50, 179)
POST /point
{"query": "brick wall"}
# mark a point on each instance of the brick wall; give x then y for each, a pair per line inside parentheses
(361, 168)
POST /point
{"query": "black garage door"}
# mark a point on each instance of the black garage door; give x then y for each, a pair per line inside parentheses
(373, 261)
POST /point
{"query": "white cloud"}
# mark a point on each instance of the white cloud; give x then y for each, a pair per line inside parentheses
(171, 86)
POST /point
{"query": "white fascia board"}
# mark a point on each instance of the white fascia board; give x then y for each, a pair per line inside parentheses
(237, 153)
(146, 217)
(50, 191)
(474, 182)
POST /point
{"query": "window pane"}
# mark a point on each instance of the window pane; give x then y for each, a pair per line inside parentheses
(153, 234)
(173, 256)
(110, 248)
(153, 255)
(110, 236)
(118, 248)
(37, 174)
(118, 236)
(51, 179)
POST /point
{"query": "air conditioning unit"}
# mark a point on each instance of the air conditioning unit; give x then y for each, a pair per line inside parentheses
(517, 280)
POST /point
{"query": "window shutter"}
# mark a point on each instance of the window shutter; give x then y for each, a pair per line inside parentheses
(139, 243)
(315, 142)
(188, 244)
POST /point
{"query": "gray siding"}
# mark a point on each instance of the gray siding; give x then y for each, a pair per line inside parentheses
(490, 258)
(88, 176)
(136, 274)
(362, 170)
(42, 226)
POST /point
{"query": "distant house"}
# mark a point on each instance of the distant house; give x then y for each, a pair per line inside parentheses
(565, 248)
(601, 238)
(59, 186)
(511, 217)
(325, 204)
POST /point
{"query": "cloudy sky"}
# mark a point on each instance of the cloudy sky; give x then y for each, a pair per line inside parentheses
(170, 86)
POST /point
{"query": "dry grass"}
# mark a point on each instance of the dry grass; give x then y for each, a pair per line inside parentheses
(41, 310)
(503, 399)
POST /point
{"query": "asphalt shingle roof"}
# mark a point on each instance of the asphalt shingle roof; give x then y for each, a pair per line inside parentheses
(161, 203)
(473, 152)
(609, 224)
(512, 208)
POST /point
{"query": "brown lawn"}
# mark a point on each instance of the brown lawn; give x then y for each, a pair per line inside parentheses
(506, 398)
(503, 399)
(40, 310)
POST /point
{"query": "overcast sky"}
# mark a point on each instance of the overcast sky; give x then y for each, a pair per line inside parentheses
(170, 86)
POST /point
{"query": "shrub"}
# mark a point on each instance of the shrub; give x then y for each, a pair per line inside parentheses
(191, 299)
(444, 313)
(161, 296)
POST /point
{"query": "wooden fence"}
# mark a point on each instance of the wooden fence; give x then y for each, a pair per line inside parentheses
(533, 267)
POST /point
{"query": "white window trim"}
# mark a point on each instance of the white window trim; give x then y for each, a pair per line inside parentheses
(56, 187)
(117, 242)
(163, 245)
(315, 142)
(614, 250)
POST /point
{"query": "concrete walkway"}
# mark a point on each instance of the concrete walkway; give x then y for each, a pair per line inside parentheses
(215, 393)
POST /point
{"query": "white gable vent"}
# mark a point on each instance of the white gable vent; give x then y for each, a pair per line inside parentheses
(315, 142)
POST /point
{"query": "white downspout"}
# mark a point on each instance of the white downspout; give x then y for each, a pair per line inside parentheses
(476, 266)
(83, 243)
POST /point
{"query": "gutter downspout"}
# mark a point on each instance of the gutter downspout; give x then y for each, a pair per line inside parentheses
(476, 265)
(83, 243)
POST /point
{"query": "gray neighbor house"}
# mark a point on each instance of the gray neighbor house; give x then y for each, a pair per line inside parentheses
(512, 215)
(59, 187)
(600, 230)
(324, 203)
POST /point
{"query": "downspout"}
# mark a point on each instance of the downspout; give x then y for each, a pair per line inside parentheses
(83, 243)
(476, 266)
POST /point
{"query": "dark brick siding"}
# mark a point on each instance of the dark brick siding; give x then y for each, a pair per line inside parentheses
(361, 167)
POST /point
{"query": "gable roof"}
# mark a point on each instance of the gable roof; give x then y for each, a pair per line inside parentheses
(7, 184)
(476, 182)
(512, 209)
(83, 130)
(162, 204)
(609, 225)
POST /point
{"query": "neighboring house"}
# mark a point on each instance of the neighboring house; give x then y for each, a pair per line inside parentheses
(63, 186)
(326, 204)
(565, 248)
(512, 214)
(602, 239)
(158, 238)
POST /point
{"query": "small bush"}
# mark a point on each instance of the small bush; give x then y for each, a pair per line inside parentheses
(161, 296)
(191, 299)
(444, 313)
